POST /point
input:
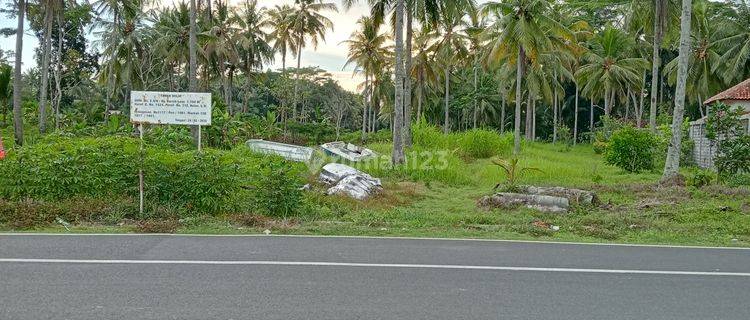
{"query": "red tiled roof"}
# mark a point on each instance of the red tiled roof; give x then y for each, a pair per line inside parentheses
(739, 92)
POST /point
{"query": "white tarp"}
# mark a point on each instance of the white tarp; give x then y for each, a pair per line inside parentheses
(185, 108)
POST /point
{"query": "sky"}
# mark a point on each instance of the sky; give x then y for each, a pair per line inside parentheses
(329, 56)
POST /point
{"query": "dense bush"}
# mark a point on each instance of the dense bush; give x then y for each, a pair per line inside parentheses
(276, 188)
(701, 178)
(481, 143)
(472, 144)
(631, 149)
(94, 167)
(733, 157)
(101, 168)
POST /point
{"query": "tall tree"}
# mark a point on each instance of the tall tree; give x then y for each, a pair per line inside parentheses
(368, 51)
(608, 67)
(450, 49)
(672, 165)
(526, 30)
(279, 19)
(17, 76)
(254, 46)
(193, 61)
(309, 23)
(397, 156)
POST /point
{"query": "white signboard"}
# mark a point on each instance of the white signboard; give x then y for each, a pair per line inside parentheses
(186, 108)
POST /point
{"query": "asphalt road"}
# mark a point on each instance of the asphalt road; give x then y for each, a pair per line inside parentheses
(248, 277)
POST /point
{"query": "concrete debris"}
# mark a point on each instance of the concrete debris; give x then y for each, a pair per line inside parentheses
(350, 182)
(533, 201)
(347, 151)
(574, 196)
(288, 151)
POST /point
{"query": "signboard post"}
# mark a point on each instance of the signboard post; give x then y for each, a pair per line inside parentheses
(180, 108)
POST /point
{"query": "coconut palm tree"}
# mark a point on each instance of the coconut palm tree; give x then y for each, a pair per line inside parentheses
(450, 48)
(608, 66)
(424, 68)
(17, 77)
(172, 34)
(672, 164)
(254, 45)
(221, 45)
(307, 22)
(279, 20)
(193, 62)
(524, 29)
(368, 51)
(122, 47)
(705, 59)
(50, 8)
(735, 42)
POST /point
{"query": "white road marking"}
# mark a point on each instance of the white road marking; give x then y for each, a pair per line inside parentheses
(372, 265)
(2, 234)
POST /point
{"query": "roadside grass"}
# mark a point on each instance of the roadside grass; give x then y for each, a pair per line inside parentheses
(435, 204)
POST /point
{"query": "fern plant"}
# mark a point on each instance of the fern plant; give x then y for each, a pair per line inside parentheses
(513, 171)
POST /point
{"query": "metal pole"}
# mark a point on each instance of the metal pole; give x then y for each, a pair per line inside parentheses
(140, 169)
(199, 138)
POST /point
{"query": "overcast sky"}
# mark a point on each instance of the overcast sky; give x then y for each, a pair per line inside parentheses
(330, 55)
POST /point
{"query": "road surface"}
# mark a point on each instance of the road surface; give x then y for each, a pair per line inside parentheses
(269, 277)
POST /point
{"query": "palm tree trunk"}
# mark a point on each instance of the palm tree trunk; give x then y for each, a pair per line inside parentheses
(533, 120)
(193, 63)
(58, 64)
(519, 96)
(627, 104)
(672, 165)
(397, 156)
(47, 48)
(406, 129)
(639, 121)
(421, 94)
(575, 118)
(364, 108)
(17, 77)
(529, 115)
(554, 114)
(591, 116)
(296, 81)
(658, 29)
(607, 101)
(446, 111)
(476, 57)
(502, 115)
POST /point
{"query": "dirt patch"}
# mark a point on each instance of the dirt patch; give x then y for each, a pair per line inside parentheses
(157, 226)
(651, 203)
(722, 190)
(675, 180)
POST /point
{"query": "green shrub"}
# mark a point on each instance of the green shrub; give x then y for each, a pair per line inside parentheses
(481, 143)
(631, 149)
(276, 187)
(473, 144)
(95, 167)
(701, 178)
(600, 147)
(101, 168)
(733, 157)
(738, 180)
(425, 135)
(195, 181)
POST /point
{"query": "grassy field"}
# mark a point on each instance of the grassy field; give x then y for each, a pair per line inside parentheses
(634, 210)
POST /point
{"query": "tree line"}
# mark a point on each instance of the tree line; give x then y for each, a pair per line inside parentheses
(531, 66)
